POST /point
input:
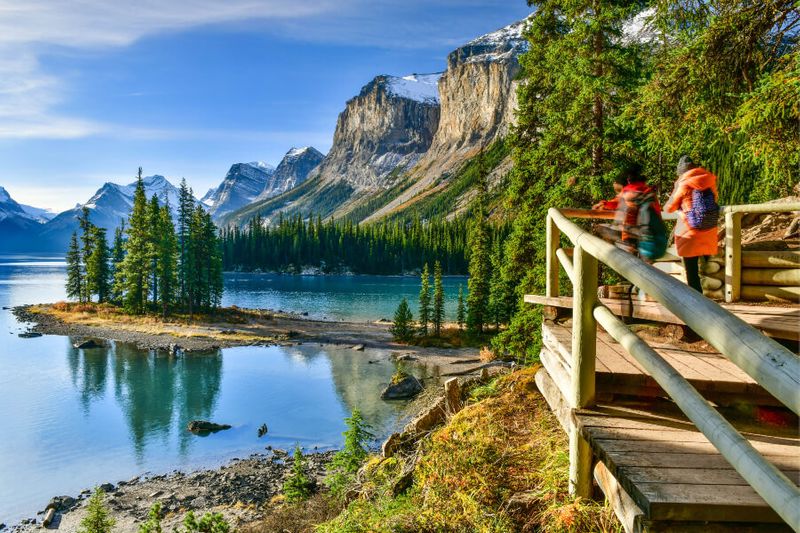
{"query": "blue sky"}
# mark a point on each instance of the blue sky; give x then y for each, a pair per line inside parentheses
(90, 90)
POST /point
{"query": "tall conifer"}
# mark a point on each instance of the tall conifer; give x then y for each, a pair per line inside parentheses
(98, 273)
(74, 270)
(137, 260)
(438, 299)
(424, 300)
(479, 267)
(460, 310)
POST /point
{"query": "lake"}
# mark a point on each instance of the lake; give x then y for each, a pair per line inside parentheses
(75, 418)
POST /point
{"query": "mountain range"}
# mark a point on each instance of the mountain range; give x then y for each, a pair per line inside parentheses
(403, 146)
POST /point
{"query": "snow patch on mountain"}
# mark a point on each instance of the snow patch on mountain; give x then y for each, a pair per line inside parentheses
(11, 208)
(418, 87)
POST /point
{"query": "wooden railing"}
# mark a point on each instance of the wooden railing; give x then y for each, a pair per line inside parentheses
(733, 241)
(774, 367)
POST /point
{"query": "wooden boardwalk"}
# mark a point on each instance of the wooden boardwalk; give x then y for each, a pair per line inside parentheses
(657, 469)
(780, 322)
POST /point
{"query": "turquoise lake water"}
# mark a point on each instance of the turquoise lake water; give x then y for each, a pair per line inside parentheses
(76, 418)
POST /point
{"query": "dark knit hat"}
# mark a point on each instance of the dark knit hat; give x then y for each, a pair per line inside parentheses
(685, 164)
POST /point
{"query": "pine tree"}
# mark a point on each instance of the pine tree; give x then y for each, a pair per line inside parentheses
(136, 265)
(74, 270)
(479, 268)
(438, 299)
(460, 311)
(117, 257)
(154, 237)
(97, 519)
(403, 326)
(424, 300)
(569, 139)
(185, 264)
(167, 259)
(298, 486)
(98, 274)
(500, 293)
(342, 469)
(87, 228)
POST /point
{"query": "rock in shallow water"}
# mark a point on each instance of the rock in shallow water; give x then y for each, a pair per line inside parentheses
(203, 426)
(405, 389)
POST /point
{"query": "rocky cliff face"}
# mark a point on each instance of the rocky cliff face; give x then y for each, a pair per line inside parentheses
(293, 170)
(391, 123)
(243, 183)
(477, 94)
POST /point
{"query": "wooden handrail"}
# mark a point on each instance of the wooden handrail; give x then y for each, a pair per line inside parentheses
(769, 363)
(774, 367)
(770, 483)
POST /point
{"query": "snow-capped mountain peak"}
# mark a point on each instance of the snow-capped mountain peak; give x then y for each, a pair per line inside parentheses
(4, 196)
(418, 87)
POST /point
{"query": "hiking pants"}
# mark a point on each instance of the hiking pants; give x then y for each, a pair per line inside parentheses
(692, 267)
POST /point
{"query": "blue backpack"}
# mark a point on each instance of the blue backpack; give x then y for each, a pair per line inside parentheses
(704, 213)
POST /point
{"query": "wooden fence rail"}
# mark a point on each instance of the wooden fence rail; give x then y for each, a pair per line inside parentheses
(774, 367)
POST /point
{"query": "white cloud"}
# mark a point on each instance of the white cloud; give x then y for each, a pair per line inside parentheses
(29, 97)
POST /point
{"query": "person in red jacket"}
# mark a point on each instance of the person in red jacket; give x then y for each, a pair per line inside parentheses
(692, 239)
(635, 196)
(611, 205)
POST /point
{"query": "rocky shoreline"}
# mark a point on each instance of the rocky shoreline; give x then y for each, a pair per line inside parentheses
(242, 490)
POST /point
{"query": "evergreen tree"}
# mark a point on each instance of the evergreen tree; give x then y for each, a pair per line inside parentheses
(298, 486)
(424, 300)
(403, 326)
(342, 469)
(87, 228)
(98, 273)
(438, 299)
(117, 257)
(136, 265)
(479, 268)
(98, 518)
(185, 264)
(500, 293)
(154, 237)
(74, 270)
(570, 138)
(460, 310)
(167, 259)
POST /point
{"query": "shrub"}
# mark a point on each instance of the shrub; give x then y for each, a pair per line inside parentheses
(153, 523)
(298, 486)
(209, 523)
(342, 469)
(97, 519)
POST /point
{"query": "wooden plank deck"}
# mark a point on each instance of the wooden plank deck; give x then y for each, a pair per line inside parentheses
(618, 373)
(656, 459)
(774, 321)
(673, 472)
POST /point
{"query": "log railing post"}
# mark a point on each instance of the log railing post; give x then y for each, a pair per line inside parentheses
(584, 344)
(551, 262)
(733, 255)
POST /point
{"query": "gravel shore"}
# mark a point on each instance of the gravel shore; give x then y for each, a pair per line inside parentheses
(241, 490)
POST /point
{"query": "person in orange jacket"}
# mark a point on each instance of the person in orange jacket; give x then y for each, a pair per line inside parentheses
(695, 198)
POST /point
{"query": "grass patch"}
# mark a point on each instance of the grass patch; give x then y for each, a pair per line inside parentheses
(501, 464)
(220, 324)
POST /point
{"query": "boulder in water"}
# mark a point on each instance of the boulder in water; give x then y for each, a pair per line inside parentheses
(88, 343)
(203, 426)
(405, 389)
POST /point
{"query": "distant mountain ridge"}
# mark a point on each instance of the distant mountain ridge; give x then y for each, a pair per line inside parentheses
(108, 206)
(405, 139)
